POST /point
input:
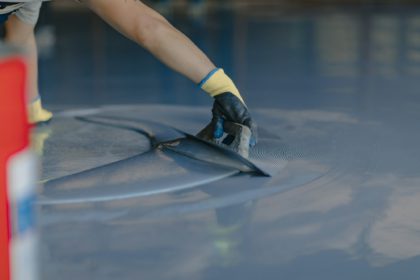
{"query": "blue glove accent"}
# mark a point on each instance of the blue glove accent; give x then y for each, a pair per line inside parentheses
(3, 18)
(252, 142)
(206, 78)
(218, 128)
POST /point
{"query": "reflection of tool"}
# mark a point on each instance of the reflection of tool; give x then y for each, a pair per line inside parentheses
(230, 230)
(236, 137)
(17, 174)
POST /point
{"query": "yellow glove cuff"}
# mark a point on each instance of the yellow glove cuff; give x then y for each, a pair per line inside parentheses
(217, 82)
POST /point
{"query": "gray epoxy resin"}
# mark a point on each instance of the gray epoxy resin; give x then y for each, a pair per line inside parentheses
(116, 205)
(172, 160)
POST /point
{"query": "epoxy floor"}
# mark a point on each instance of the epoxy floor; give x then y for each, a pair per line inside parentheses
(335, 93)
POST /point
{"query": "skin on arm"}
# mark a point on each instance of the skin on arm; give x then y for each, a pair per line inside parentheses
(22, 34)
(149, 29)
(152, 31)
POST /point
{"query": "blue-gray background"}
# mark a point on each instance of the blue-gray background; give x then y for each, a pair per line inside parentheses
(334, 87)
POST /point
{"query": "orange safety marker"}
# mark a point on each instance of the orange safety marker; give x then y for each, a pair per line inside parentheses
(17, 175)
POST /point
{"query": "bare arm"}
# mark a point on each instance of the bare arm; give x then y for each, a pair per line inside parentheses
(22, 34)
(152, 31)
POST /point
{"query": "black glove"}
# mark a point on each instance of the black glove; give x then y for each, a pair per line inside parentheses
(230, 108)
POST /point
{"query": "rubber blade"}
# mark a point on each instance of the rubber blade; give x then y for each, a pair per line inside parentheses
(217, 155)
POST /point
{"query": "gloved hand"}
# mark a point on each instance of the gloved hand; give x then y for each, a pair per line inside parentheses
(228, 107)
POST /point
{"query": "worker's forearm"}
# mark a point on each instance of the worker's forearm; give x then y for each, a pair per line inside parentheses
(149, 29)
(22, 34)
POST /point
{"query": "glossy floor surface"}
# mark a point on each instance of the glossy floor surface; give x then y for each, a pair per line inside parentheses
(335, 93)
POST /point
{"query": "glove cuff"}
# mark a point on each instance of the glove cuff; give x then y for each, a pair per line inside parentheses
(217, 82)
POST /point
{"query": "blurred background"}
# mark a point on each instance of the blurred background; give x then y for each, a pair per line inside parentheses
(334, 83)
(289, 54)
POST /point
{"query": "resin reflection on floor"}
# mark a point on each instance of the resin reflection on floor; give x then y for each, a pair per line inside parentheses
(335, 95)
